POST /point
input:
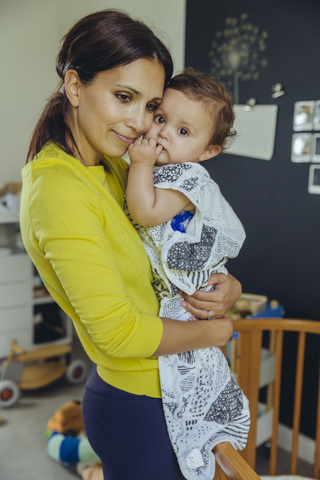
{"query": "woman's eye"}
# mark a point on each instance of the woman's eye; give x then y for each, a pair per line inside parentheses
(159, 119)
(183, 131)
(123, 97)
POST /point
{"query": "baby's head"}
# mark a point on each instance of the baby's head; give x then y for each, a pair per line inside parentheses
(215, 99)
(194, 120)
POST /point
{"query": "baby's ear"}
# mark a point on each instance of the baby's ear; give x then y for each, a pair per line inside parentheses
(209, 152)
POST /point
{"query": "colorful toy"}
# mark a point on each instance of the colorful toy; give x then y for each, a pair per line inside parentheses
(70, 450)
(67, 443)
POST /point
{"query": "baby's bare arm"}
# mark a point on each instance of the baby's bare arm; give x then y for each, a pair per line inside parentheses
(149, 205)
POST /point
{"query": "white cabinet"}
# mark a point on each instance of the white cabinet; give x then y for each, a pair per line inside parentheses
(16, 301)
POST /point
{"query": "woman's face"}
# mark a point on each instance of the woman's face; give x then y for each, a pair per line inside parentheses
(116, 108)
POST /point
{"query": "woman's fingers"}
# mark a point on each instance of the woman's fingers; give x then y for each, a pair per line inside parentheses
(218, 301)
(196, 309)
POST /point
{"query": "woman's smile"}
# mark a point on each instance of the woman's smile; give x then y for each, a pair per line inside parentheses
(124, 138)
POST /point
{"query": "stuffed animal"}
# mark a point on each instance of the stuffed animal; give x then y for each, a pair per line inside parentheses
(12, 187)
(10, 197)
(67, 442)
(67, 419)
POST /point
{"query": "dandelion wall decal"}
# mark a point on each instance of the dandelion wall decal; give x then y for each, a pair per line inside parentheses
(237, 52)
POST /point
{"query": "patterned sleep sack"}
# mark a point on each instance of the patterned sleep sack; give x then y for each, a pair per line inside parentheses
(203, 405)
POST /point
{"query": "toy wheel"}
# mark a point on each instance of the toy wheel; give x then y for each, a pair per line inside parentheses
(76, 372)
(9, 393)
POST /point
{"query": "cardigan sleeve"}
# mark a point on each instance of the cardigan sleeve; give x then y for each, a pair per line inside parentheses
(69, 221)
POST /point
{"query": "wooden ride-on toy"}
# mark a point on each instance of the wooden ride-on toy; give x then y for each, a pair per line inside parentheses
(37, 368)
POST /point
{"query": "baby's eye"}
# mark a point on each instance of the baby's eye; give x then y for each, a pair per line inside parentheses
(123, 97)
(159, 119)
(151, 107)
(183, 131)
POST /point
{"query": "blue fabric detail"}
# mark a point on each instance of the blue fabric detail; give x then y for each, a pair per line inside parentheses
(69, 450)
(181, 221)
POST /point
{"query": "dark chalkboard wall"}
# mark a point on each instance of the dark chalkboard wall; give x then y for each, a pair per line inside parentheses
(281, 255)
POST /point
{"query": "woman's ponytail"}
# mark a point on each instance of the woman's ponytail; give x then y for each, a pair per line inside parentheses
(51, 126)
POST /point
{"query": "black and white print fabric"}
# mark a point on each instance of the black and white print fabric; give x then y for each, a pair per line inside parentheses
(202, 402)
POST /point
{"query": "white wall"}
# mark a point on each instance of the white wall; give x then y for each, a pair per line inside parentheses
(30, 34)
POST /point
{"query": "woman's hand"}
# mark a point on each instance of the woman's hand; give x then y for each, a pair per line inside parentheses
(227, 290)
(184, 336)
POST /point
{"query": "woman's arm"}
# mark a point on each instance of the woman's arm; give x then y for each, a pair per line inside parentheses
(149, 205)
(181, 337)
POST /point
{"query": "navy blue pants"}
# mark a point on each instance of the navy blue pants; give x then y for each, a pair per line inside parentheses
(128, 432)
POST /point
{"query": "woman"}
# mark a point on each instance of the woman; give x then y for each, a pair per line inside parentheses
(113, 71)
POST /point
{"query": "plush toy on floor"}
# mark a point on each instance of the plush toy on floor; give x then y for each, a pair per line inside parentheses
(67, 442)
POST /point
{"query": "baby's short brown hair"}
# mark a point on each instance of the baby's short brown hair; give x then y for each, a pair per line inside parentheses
(215, 98)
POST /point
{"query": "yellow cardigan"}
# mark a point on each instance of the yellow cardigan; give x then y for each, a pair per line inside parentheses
(92, 262)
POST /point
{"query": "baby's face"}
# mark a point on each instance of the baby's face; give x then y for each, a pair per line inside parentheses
(182, 127)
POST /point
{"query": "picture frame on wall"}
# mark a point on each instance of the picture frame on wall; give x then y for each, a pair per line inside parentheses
(314, 179)
(316, 147)
(317, 115)
(303, 116)
(301, 148)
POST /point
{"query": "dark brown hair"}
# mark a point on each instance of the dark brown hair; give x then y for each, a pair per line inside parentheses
(215, 98)
(98, 42)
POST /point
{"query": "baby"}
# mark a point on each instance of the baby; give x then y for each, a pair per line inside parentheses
(189, 231)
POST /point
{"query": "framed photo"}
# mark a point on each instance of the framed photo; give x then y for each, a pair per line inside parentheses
(314, 179)
(316, 147)
(303, 116)
(301, 148)
(317, 116)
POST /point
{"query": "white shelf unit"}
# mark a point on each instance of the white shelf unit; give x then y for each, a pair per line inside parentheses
(44, 300)
(17, 301)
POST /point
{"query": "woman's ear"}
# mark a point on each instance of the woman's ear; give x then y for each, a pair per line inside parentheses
(209, 152)
(72, 87)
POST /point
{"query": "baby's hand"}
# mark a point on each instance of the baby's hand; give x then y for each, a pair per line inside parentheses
(144, 151)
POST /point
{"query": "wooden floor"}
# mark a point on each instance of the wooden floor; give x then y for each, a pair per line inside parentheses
(283, 464)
